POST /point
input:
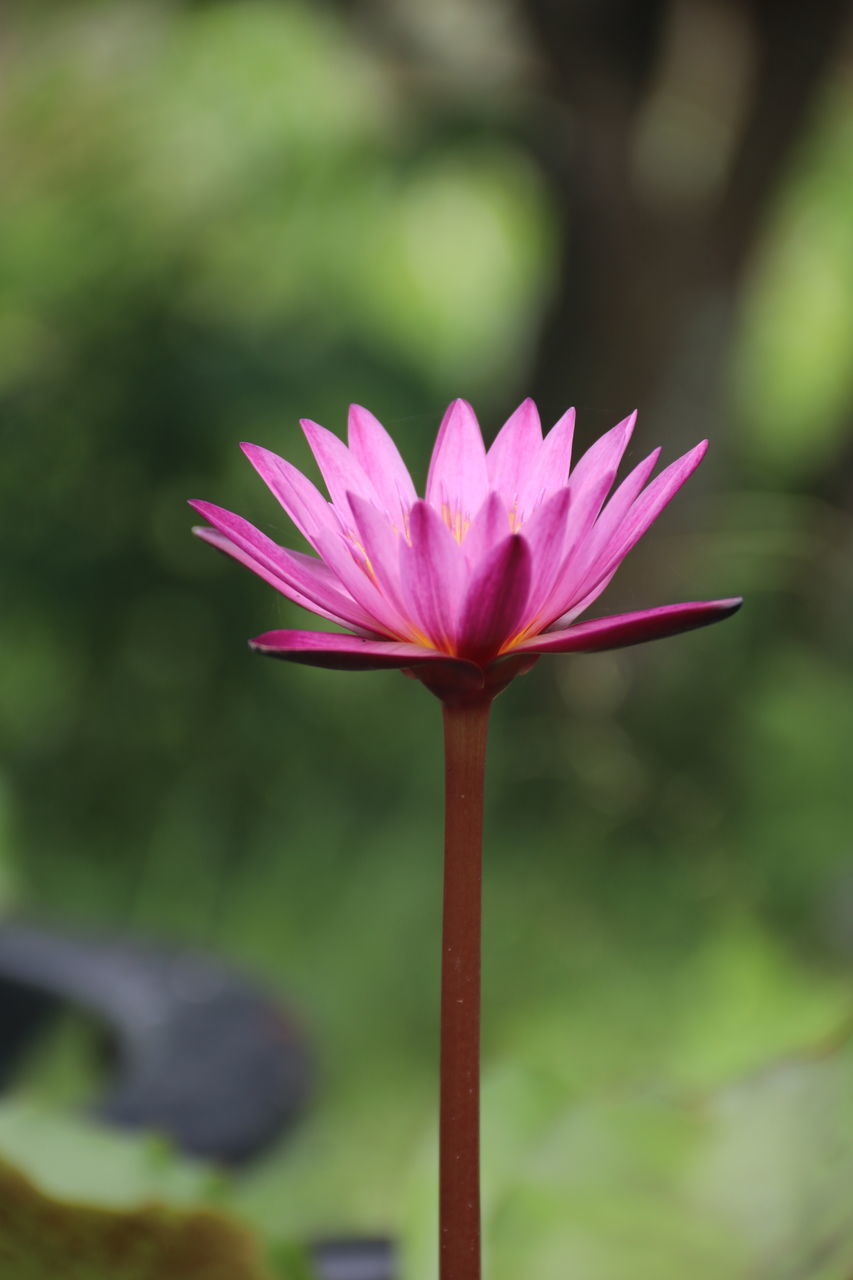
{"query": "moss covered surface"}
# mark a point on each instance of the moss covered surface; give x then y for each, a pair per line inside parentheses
(42, 1238)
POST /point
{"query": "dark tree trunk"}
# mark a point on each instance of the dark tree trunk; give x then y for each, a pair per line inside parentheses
(646, 291)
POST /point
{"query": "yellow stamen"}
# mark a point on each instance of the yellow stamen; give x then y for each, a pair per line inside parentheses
(363, 559)
(456, 522)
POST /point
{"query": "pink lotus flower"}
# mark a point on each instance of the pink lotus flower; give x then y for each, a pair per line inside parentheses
(471, 584)
(464, 589)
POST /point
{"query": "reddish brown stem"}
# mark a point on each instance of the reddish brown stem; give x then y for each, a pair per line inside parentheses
(465, 731)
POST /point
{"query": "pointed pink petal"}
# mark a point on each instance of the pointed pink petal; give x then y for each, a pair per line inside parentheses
(617, 508)
(641, 514)
(548, 470)
(373, 448)
(381, 543)
(298, 576)
(496, 599)
(433, 575)
(352, 653)
(557, 451)
(457, 483)
(516, 443)
(304, 503)
(342, 472)
(353, 572)
(604, 457)
(655, 497)
(631, 628)
(581, 593)
(590, 569)
(545, 534)
(224, 544)
(587, 489)
(489, 527)
(589, 484)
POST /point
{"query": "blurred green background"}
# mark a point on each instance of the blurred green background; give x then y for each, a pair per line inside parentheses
(217, 218)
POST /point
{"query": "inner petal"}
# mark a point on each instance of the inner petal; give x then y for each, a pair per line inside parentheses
(457, 483)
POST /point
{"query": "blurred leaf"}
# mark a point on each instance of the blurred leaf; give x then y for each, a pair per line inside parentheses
(792, 371)
(75, 1157)
(750, 1182)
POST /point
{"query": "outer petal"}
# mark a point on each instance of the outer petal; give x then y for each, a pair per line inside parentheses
(496, 600)
(625, 629)
(519, 440)
(299, 576)
(654, 498)
(342, 472)
(224, 544)
(587, 489)
(304, 503)
(372, 447)
(352, 653)
(548, 470)
(457, 483)
(591, 568)
(433, 575)
(584, 589)
(607, 524)
(603, 457)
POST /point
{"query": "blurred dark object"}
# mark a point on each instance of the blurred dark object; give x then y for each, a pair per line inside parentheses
(355, 1260)
(201, 1053)
(24, 1012)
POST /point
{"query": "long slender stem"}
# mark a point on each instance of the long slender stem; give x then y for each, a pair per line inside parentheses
(465, 731)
